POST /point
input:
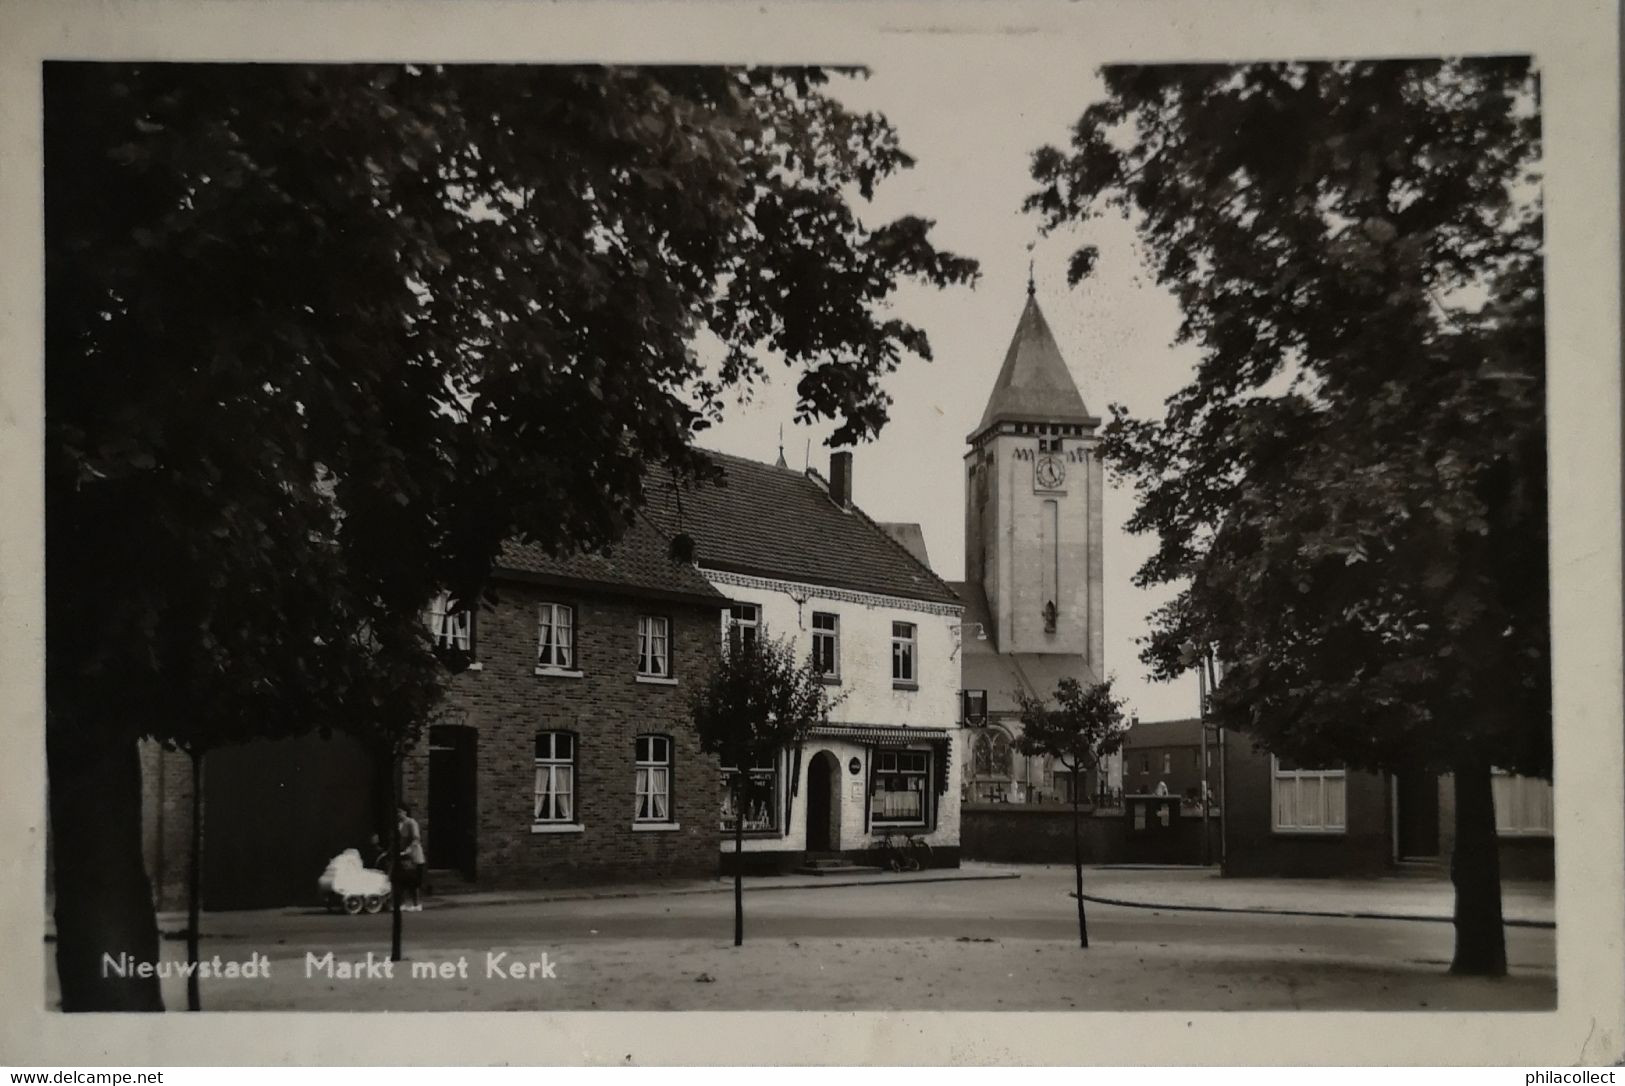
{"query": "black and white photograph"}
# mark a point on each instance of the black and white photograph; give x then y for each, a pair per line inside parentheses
(977, 519)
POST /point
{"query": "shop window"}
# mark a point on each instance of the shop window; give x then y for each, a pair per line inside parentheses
(761, 796)
(899, 788)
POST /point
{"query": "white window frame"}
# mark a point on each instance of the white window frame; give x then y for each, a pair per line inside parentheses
(555, 639)
(1523, 805)
(447, 628)
(654, 647)
(734, 619)
(1296, 779)
(905, 655)
(832, 636)
(558, 769)
(763, 769)
(651, 780)
(894, 758)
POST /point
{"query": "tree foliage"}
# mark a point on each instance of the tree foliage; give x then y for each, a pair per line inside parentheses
(758, 700)
(1353, 485)
(470, 294)
(1083, 727)
(319, 338)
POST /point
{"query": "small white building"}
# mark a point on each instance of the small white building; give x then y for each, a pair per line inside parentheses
(799, 560)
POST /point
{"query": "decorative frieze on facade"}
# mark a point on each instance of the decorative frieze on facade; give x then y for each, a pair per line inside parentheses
(799, 590)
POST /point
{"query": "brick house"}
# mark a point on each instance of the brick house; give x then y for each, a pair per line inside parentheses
(1169, 752)
(1284, 819)
(564, 752)
(799, 560)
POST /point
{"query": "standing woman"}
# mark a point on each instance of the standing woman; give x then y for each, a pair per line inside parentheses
(411, 860)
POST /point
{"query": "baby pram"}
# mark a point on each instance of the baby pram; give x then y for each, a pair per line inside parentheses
(350, 886)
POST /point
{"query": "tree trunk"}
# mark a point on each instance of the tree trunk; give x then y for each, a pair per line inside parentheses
(194, 884)
(395, 952)
(1077, 861)
(739, 857)
(103, 908)
(1475, 869)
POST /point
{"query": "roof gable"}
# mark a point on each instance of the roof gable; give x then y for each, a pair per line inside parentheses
(775, 522)
(912, 538)
(640, 562)
(1034, 384)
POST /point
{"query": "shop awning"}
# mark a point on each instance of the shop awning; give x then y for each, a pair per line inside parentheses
(896, 735)
(880, 735)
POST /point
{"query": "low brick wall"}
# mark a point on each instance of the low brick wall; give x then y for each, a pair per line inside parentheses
(1042, 833)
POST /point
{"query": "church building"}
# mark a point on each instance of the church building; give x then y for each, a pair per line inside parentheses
(1033, 587)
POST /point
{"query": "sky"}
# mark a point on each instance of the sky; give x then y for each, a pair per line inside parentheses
(971, 119)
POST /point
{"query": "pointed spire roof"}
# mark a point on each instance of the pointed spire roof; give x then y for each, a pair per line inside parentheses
(1034, 384)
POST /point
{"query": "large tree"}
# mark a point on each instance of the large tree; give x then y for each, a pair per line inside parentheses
(463, 300)
(1352, 488)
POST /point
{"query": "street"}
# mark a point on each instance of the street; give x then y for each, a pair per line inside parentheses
(1007, 944)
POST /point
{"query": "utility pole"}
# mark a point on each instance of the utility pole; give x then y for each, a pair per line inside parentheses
(1201, 721)
(1224, 797)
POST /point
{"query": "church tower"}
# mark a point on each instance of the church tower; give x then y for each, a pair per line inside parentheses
(1033, 485)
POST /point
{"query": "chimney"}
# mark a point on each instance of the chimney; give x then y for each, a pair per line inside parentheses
(840, 478)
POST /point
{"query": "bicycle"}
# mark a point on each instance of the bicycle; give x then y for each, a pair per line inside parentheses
(898, 856)
(912, 854)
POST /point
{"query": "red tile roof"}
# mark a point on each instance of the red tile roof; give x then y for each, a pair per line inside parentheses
(768, 521)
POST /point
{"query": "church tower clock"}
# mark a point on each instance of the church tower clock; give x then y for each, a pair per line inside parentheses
(1033, 506)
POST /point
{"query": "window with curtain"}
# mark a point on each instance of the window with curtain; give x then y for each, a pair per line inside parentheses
(555, 777)
(898, 789)
(654, 647)
(448, 628)
(555, 636)
(652, 779)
